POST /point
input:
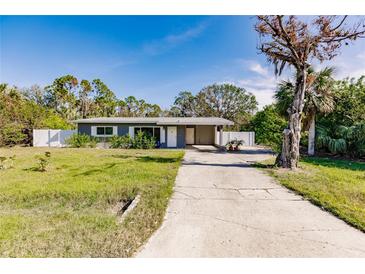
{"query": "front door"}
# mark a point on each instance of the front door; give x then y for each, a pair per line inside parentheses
(171, 136)
(189, 137)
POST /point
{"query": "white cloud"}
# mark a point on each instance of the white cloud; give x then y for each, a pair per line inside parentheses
(349, 63)
(253, 66)
(260, 81)
(172, 40)
(262, 87)
(259, 69)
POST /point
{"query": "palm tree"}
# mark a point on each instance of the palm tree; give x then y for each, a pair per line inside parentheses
(318, 99)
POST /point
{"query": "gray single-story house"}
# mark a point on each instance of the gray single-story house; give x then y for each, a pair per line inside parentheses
(169, 131)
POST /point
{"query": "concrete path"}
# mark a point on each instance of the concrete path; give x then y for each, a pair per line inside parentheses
(222, 207)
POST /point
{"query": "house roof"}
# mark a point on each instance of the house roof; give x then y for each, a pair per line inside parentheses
(215, 121)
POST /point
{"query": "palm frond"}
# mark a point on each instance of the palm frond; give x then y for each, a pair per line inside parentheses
(284, 96)
(337, 145)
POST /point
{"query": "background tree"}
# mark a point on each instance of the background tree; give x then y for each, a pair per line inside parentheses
(36, 94)
(153, 110)
(225, 100)
(184, 105)
(268, 125)
(349, 102)
(105, 100)
(61, 96)
(84, 100)
(290, 41)
(343, 130)
(131, 107)
(19, 115)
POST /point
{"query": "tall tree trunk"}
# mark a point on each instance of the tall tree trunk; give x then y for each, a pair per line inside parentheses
(312, 135)
(291, 138)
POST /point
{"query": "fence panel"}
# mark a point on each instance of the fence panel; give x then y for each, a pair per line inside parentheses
(51, 137)
(248, 137)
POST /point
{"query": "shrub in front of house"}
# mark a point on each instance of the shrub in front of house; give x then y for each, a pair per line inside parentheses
(124, 141)
(81, 140)
(143, 141)
(140, 141)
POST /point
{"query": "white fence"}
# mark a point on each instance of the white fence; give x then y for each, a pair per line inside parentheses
(51, 137)
(248, 137)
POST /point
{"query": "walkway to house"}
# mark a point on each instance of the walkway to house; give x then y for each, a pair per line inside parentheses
(222, 207)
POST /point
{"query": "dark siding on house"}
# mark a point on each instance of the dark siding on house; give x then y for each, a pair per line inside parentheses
(123, 129)
(180, 136)
(84, 129)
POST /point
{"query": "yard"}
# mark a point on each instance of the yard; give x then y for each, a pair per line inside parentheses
(67, 211)
(336, 185)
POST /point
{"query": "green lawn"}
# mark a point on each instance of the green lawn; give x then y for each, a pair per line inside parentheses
(67, 211)
(336, 185)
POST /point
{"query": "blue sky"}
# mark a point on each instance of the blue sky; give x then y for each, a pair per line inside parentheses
(150, 57)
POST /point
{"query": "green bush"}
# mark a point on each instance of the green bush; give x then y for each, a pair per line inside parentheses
(343, 140)
(2, 162)
(124, 141)
(7, 162)
(12, 134)
(55, 121)
(43, 162)
(268, 126)
(81, 140)
(143, 141)
(140, 141)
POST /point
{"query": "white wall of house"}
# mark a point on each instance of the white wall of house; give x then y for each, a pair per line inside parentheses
(248, 137)
(51, 137)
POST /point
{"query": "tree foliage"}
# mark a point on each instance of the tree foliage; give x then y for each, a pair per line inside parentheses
(56, 105)
(131, 107)
(349, 103)
(291, 41)
(342, 131)
(339, 108)
(343, 140)
(60, 96)
(105, 99)
(20, 114)
(218, 100)
(268, 125)
(184, 105)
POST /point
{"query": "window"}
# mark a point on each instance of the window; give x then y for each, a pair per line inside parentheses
(104, 131)
(150, 131)
(156, 133)
(100, 130)
(108, 131)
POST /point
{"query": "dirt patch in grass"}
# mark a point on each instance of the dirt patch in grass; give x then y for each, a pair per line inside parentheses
(66, 211)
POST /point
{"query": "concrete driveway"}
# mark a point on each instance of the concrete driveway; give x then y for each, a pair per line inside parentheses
(222, 207)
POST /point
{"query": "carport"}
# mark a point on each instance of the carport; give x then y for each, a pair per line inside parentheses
(200, 135)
